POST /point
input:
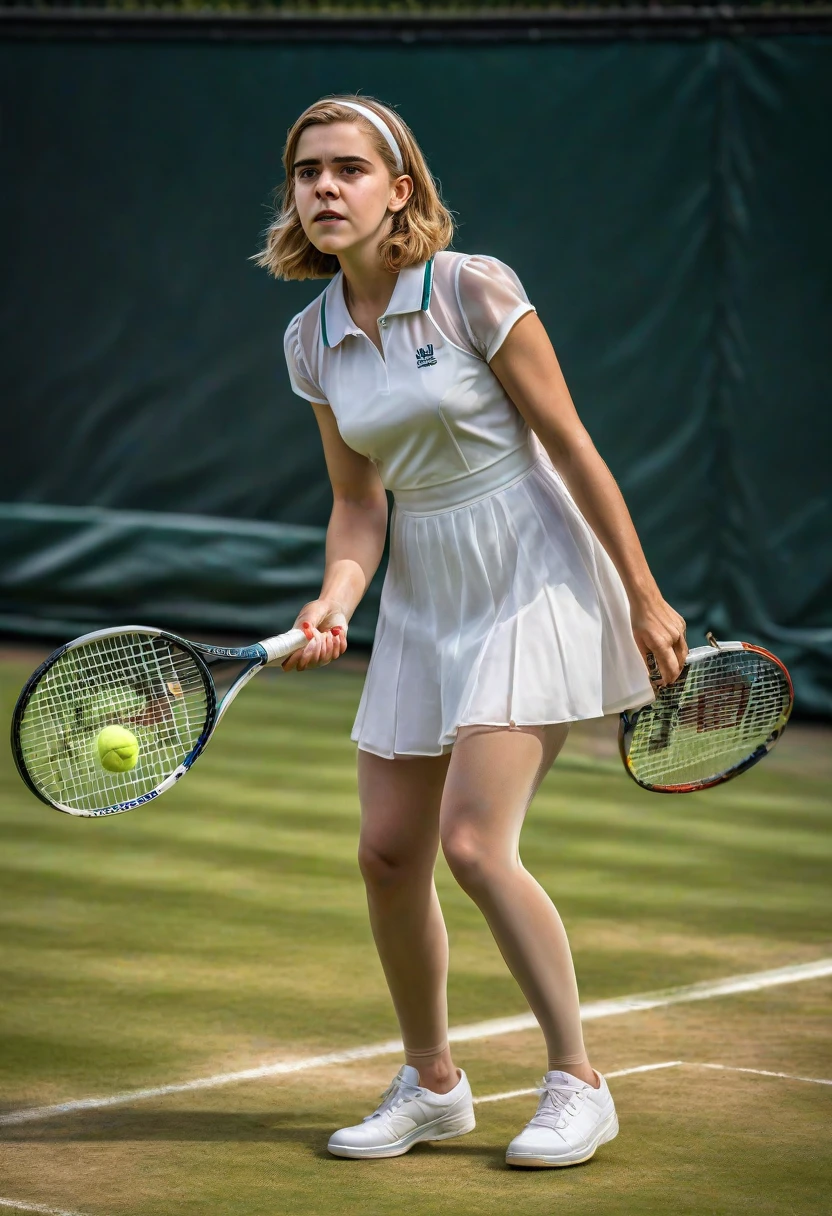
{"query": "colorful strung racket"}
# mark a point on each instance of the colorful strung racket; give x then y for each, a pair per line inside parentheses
(724, 712)
(134, 699)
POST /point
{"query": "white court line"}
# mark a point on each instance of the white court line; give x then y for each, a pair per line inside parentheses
(628, 1072)
(622, 1072)
(461, 1034)
(761, 1072)
(35, 1207)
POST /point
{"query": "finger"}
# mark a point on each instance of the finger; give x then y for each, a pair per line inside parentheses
(680, 649)
(669, 665)
(313, 647)
(334, 641)
(677, 653)
(331, 646)
(325, 652)
(291, 662)
(309, 656)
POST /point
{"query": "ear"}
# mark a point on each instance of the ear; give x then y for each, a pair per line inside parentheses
(400, 192)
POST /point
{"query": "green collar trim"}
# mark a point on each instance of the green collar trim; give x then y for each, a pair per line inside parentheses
(428, 284)
(323, 320)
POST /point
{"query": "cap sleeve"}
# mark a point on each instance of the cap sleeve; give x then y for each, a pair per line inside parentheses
(299, 374)
(492, 300)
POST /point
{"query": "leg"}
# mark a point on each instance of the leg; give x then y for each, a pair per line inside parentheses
(493, 776)
(400, 801)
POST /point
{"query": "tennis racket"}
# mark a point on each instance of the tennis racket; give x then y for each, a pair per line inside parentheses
(152, 683)
(724, 712)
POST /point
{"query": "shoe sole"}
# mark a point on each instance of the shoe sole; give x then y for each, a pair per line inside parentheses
(541, 1161)
(398, 1147)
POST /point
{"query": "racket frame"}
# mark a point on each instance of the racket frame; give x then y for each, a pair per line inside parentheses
(255, 656)
(629, 720)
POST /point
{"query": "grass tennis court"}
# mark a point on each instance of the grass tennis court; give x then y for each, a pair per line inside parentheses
(225, 928)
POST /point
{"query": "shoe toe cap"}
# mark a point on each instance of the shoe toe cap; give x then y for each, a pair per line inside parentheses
(360, 1135)
(535, 1140)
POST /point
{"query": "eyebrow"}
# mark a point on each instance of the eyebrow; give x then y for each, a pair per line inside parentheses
(336, 160)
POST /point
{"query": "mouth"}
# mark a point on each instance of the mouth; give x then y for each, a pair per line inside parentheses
(327, 216)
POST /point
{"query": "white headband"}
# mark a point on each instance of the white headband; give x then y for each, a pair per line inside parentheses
(381, 126)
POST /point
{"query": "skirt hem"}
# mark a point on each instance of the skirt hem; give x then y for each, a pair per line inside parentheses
(630, 703)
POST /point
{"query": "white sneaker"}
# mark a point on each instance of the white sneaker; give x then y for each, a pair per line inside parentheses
(406, 1114)
(572, 1120)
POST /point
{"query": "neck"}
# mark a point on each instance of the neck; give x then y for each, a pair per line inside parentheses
(366, 282)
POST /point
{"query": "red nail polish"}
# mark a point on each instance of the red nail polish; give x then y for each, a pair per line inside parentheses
(336, 631)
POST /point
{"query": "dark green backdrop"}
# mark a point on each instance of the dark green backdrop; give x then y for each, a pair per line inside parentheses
(667, 206)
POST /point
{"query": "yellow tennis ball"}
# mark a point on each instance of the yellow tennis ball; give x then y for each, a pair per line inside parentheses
(118, 749)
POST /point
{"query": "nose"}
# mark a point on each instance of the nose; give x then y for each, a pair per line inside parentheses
(326, 186)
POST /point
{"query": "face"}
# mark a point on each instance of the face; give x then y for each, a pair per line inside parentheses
(343, 192)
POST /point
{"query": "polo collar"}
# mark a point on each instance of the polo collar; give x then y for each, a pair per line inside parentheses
(411, 294)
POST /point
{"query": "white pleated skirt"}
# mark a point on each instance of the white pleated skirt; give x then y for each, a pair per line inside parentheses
(499, 607)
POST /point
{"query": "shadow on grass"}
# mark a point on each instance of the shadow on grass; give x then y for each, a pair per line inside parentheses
(426, 1150)
(182, 1125)
(198, 1126)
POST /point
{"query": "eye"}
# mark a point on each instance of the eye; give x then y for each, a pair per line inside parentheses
(303, 172)
(351, 169)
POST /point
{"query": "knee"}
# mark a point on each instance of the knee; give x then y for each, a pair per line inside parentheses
(381, 867)
(468, 857)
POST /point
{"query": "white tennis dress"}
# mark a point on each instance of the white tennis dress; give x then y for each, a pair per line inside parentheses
(499, 605)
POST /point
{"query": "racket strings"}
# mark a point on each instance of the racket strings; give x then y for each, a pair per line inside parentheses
(141, 682)
(712, 719)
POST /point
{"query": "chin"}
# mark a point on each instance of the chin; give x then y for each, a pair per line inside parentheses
(330, 247)
(328, 242)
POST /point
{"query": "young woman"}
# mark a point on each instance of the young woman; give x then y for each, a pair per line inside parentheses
(517, 598)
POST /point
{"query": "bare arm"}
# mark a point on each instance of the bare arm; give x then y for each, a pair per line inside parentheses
(354, 546)
(528, 369)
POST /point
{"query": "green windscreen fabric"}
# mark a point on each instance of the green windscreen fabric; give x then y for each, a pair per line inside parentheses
(663, 204)
(772, 407)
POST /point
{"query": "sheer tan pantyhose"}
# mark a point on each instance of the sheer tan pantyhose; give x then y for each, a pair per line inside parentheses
(473, 801)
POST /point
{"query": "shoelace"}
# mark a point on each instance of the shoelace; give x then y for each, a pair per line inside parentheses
(556, 1103)
(396, 1093)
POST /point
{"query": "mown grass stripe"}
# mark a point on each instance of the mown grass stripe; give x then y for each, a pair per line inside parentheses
(729, 986)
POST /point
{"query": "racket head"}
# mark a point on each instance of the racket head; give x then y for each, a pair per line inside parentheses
(725, 711)
(151, 682)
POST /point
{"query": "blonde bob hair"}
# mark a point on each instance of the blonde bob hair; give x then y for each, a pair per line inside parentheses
(419, 230)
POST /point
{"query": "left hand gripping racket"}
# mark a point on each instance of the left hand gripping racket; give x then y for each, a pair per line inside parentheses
(725, 710)
(152, 683)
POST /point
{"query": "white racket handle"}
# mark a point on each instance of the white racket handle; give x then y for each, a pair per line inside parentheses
(285, 643)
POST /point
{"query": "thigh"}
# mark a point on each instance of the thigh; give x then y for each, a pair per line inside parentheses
(400, 803)
(494, 773)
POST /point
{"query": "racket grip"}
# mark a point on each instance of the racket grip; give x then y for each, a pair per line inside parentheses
(284, 643)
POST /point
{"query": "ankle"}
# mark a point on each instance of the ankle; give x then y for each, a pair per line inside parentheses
(439, 1078)
(583, 1072)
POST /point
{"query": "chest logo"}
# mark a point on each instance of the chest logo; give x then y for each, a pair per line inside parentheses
(424, 356)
